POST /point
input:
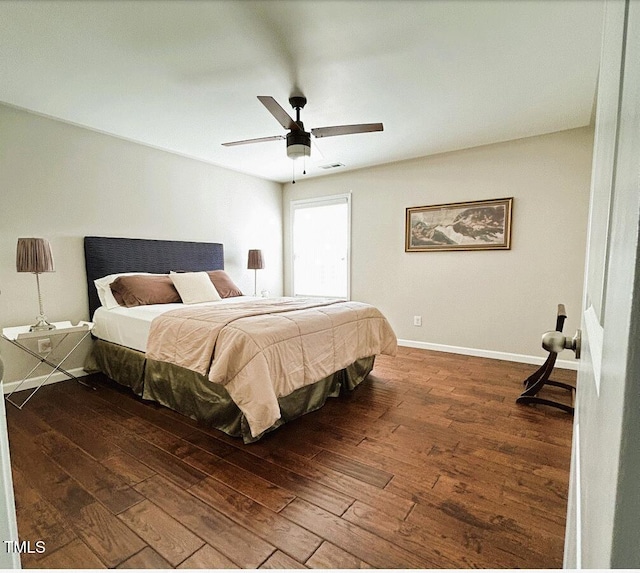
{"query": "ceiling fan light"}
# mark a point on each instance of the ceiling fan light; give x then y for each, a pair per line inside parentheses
(298, 150)
(298, 144)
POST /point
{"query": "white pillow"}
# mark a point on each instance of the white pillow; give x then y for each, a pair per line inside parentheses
(194, 287)
(103, 286)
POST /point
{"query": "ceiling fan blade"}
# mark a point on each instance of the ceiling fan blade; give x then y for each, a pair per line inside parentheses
(276, 110)
(346, 129)
(256, 140)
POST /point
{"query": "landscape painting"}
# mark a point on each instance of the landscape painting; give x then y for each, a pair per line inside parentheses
(473, 225)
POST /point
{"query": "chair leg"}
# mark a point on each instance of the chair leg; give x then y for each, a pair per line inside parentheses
(534, 383)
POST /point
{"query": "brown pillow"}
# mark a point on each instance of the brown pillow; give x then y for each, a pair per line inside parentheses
(136, 290)
(224, 285)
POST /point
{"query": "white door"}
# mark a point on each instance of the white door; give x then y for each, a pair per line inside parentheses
(603, 519)
(8, 527)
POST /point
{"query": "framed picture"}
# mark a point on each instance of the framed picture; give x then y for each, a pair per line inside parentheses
(469, 226)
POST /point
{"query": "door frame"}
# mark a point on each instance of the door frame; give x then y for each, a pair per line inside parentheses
(603, 513)
(8, 523)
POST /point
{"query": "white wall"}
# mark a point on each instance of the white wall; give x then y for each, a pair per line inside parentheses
(63, 182)
(500, 301)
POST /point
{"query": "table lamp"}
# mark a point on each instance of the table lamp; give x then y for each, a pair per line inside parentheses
(255, 262)
(34, 256)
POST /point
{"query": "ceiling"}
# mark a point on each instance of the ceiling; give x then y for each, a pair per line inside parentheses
(184, 76)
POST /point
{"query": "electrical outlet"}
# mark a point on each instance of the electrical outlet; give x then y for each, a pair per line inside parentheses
(44, 345)
(417, 321)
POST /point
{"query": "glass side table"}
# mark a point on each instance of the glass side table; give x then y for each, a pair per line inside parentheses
(48, 341)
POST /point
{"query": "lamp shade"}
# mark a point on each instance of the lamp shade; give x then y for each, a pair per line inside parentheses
(34, 256)
(255, 259)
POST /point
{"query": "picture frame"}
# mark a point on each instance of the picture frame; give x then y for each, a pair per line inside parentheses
(465, 226)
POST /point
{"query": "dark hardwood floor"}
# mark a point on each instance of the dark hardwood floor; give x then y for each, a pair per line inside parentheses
(428, 464)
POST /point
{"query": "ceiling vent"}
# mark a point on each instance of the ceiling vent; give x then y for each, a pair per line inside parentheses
(332, 166)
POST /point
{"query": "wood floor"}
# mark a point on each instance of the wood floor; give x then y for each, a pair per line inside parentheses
(428, 464)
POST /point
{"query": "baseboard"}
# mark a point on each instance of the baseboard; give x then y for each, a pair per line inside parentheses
(510, 357)
(8, 387)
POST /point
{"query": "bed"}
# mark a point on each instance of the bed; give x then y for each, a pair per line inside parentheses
(244, 365)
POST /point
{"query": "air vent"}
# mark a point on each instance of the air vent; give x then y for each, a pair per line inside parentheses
(332, 166)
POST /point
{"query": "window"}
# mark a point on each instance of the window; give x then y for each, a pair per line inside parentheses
(321, 237)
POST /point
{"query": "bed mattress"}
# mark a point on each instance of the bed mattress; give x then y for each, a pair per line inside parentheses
(130, 326)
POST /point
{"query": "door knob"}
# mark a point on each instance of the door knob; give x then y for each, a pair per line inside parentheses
(554, 341)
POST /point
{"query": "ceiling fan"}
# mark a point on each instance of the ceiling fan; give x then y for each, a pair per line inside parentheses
(299, 140)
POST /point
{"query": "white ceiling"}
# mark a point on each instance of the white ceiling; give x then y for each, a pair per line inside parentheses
(184, 76)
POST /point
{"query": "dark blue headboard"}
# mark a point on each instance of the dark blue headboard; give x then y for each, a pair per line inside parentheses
(108, 255)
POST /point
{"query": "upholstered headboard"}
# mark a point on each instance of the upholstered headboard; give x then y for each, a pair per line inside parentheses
(108, 255)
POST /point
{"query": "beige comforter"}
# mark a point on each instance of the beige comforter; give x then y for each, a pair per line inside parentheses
(261, 350)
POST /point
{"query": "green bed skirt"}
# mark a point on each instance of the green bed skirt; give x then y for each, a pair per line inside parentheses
(193, 395)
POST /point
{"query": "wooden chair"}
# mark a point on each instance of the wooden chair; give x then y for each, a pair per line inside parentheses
(534, 383)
